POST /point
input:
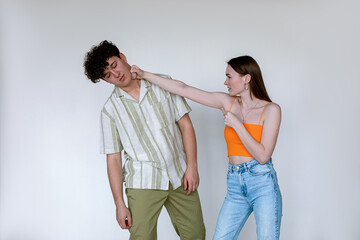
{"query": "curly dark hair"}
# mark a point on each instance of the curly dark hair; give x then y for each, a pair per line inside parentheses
(95, 60)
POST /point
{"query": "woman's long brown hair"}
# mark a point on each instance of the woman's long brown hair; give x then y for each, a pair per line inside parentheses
(247, 65)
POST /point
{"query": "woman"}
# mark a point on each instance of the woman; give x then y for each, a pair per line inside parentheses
(252, 126)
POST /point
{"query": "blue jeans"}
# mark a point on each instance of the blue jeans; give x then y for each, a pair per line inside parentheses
(250, 187)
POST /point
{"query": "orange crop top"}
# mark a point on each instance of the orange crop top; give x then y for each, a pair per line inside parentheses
(234, 145)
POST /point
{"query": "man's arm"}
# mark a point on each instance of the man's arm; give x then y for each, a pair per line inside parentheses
(191, 177)
(114, 168)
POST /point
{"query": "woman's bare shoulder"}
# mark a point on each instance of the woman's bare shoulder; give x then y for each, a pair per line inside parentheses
(272, 109)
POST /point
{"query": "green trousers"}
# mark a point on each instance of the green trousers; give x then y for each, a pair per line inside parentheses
(184, 210)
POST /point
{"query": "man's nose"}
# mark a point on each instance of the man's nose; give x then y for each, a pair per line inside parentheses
(115, 73)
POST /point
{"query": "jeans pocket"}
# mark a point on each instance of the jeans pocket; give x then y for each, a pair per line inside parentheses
(259, 169)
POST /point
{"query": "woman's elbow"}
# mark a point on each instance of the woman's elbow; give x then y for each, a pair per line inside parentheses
(263, 159)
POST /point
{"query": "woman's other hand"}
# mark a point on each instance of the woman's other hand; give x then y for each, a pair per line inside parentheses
(231, 120)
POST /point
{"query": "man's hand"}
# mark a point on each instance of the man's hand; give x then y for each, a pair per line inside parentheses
(123, 217)
(191, 180)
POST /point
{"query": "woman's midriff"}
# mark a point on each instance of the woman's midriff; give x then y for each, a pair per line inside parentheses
(235, 160)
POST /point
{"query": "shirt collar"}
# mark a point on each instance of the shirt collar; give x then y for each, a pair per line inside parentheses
(144, 85)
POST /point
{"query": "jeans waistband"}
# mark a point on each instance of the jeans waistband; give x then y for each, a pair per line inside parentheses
(246, 165)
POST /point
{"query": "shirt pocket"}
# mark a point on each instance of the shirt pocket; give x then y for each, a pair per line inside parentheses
(162, 114)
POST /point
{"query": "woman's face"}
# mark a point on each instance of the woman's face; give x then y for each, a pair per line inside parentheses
(234, 82)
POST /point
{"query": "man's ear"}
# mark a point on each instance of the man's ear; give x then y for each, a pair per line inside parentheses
(123, 57)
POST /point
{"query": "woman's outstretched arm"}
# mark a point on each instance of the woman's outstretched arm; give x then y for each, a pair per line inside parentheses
(210, 99)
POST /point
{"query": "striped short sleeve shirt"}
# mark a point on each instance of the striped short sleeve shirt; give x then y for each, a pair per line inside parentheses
(146, 134)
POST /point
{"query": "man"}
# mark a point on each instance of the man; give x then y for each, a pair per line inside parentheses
(149, 130)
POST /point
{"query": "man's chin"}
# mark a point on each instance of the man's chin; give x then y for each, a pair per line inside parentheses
(124, 83)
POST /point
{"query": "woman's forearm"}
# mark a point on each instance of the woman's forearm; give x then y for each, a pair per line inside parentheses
(170, 85)
(256, 149)
(210, 99)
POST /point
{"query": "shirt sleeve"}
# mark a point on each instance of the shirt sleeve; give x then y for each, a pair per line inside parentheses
(109, 136)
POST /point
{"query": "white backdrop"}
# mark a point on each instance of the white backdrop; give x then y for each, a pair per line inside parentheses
(53, 182)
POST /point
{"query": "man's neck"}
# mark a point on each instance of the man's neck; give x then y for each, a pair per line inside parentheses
(134, 89)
